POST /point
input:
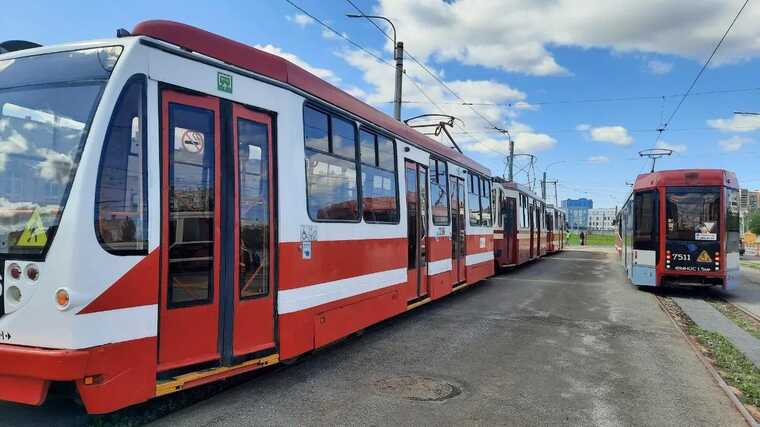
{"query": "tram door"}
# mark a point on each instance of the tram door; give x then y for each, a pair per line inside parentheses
(538, 213)
(216, 300)
(417, 227)
(532, 222)
(458, 236)
(509, 215)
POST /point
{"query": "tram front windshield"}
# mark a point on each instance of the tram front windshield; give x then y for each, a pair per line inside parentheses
(693, 214)
(46, 106)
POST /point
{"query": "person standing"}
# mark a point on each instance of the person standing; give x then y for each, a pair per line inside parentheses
(583, 238)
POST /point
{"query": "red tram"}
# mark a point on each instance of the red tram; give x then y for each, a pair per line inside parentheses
(178, 207)
(520, 232)
(681, 227)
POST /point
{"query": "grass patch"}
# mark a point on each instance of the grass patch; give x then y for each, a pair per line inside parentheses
(737, 316)
(750, 264)
(734, 367)
(592, 239)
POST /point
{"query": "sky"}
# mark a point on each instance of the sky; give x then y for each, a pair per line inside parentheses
(582, 86)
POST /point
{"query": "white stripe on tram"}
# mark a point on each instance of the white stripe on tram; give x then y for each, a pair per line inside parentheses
(478, 258)
(291, 300)
(440, 266)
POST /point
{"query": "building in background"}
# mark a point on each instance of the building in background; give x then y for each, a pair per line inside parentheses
(749, 201)
(577, 212)
(601, 219)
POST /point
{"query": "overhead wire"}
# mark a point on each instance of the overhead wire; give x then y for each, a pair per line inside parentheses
(591, 100)
(339, 34)
(363, 49)
(432, 74)
(701, 71)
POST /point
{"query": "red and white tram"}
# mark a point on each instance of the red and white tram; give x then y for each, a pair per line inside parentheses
(177, 207)
(520, 233)
(681, 227)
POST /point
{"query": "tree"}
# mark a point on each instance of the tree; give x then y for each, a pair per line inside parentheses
(753, 224)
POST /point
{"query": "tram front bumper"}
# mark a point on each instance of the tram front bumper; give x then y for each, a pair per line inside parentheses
(26, 372)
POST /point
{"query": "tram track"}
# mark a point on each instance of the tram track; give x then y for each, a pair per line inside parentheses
(681, 320)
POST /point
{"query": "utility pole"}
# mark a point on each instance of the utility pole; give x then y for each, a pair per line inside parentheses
(398, 53)
(511, 159)
(556, 203)
(398, 56)
(543, 187)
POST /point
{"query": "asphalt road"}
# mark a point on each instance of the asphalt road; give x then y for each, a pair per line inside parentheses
(561, 341)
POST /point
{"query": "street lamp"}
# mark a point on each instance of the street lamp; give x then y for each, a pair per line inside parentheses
(398, 56)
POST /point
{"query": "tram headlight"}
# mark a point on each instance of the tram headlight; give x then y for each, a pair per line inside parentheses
(14, 294)
(62, 298)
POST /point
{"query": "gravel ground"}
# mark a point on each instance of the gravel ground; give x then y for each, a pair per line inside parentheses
(565, 340)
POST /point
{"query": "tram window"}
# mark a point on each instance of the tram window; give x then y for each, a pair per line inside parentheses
(439, 191)
(121, 208)
(253, 170)
(191, 205)
(732, 220)
(386, 153)
(331, 187)
(485, 202)
(379, 182)
(343, 138)
(316, 129)
(645, 220)
(473, 201)
(331, 178)
(368, 144)
(693, 213)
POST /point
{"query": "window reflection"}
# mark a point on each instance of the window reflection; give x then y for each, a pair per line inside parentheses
(331, 188)
(331, 177)
(191, 204)
(379, 185)
(253, 164)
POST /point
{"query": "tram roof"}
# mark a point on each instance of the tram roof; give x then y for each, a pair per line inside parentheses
(511, 185)
(274, 67)
(687, 177)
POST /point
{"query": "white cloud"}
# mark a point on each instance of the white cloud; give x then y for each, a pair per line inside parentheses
(492, 99)
(301, 19)
(659, 67)
(322, 73)
(518, 35)
(525, 142)
(676, 148)
(617, 135)
(738, 123)
(735, 143)
(329, 35)
(598, 159)
(499, 103)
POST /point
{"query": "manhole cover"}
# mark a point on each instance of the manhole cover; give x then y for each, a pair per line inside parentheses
(418, 388)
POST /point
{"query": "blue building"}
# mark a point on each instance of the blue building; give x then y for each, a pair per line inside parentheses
(577, 212)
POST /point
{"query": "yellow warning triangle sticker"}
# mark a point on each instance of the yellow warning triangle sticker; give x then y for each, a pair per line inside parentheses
(34, 234)
(704, 257)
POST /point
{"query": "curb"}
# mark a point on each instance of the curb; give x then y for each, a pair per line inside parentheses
(735, 400)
